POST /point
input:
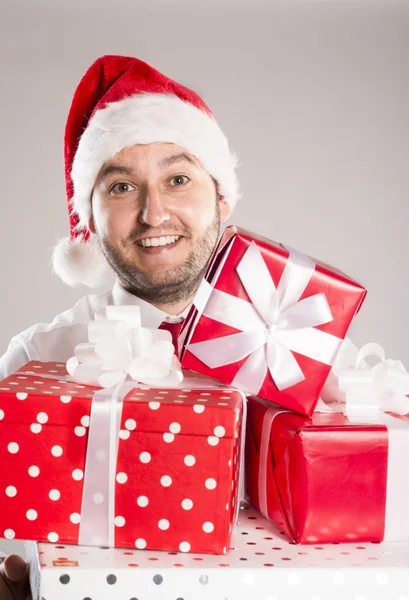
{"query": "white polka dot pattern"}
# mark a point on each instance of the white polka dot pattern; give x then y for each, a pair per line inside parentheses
(210, 483)
(219, 431)
(77, 474)
(42, 417)
(166, 481)
(145, 457)
(9, 534)
(11, 491)
(184, 546)
(260, 564)
(163, 524)
(143, 501)
(166, 438)
(34, 471)
(174, 428)
(75, 518)
(208, 527)
(54, 495)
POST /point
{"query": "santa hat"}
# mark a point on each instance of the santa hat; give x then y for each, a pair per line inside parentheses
(120, 102)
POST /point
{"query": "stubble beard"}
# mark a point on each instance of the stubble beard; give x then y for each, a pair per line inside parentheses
(174, 284)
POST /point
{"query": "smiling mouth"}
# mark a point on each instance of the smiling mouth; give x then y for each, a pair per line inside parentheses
(164, 240)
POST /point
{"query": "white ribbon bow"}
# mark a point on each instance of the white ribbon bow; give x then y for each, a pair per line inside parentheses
(119, 346)
(370, 389)
(272, 326)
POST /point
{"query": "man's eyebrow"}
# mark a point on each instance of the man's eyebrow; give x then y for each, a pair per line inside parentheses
(113, 169)
(171, 160)
(122, 170)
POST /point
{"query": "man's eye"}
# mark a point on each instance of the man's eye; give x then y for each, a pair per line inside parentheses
(121, 188)
(179, 180)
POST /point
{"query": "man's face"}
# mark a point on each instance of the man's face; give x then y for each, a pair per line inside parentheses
(157, 214)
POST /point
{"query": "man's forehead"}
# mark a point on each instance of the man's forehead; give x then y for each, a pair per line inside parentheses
(127, 160)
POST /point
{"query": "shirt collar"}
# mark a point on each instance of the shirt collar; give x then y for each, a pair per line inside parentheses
(151, 316)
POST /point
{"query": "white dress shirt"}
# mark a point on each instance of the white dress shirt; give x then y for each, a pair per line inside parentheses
(56, 341)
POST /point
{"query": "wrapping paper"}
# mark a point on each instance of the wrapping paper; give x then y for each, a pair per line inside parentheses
(176, 479)
(277, 326)
(325, 479)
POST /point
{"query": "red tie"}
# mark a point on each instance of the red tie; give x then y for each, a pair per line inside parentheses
(174, 329)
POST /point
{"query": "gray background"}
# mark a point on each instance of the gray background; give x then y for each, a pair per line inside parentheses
(313, 97)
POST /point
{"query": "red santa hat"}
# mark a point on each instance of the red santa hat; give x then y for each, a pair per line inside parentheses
(120, 102)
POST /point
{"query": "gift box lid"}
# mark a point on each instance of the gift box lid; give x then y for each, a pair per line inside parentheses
(29, 396)
(233, 231)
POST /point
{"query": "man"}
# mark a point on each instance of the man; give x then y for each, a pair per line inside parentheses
(150, 177)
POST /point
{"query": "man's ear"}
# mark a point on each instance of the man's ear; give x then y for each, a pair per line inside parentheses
(224, 208)
(91, 225)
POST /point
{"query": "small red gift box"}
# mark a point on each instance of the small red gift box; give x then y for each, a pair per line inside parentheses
(174, 482)
(269, 320)
(326, 479)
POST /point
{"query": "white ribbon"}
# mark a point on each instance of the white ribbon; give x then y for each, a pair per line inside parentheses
(368, 390)
(377, 394)
(269, 416)
(272, 326)
(118, 346)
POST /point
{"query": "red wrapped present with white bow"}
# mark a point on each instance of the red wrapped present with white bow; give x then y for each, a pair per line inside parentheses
(145, 465)
(341, 475)
(269, 320)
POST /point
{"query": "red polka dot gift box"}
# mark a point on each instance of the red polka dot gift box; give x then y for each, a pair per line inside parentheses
(166, 479)
(269, 320)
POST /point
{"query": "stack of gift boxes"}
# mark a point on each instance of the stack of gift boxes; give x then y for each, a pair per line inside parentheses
(140, 464)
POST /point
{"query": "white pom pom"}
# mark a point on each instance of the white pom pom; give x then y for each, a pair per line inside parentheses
(77, 262)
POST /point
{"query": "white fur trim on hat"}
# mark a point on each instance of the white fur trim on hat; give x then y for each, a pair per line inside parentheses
(144, 119)
(77, 262)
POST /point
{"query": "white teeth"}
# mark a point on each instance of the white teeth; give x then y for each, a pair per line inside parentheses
(159, 241)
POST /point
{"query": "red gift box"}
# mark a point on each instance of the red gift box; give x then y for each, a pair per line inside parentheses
(264, 310)
(176, 476)
(326, 479)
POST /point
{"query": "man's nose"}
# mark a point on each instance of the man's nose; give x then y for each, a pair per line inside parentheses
(154, 209)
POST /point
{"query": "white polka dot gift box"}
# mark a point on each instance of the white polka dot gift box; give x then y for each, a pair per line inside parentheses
(169, 482)
(261, 565)
(339, 476)
(269, 320)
